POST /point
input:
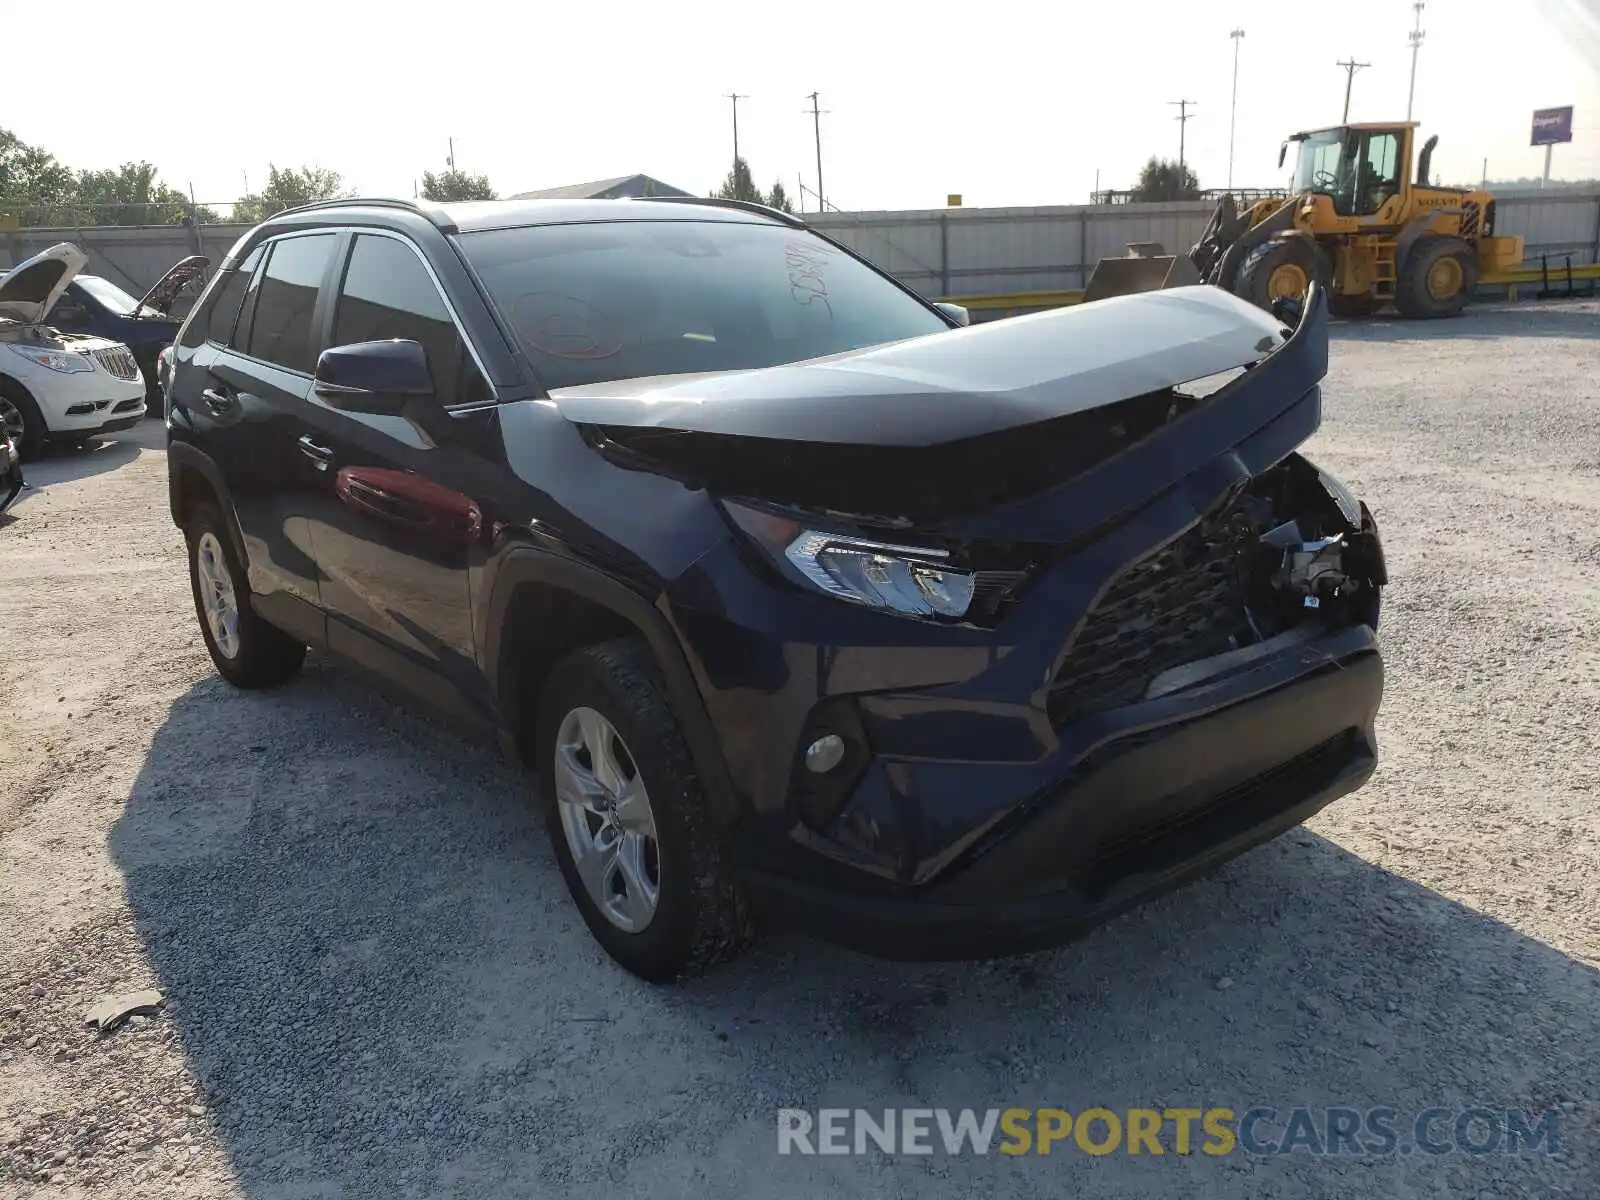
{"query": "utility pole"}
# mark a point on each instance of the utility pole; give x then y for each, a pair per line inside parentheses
(450, 160)
(1415, 38)
(1183, 118)
(816, 126)
(800, 190)
(736, 97)
(1238, 36)
(1350, 69)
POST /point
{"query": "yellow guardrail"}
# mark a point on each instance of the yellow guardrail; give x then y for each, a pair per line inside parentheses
(1510, 280)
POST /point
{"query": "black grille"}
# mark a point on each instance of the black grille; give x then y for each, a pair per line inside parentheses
(1177, 604)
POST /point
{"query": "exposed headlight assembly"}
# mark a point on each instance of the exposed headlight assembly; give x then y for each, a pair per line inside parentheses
(915, 581)
(55, 360)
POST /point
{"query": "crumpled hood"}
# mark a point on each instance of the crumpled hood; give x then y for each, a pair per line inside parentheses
(951, 386)
(31, 288)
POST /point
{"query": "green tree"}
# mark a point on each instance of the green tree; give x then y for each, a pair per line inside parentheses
(128, 195)
(456, 185)
(288, 187)
(30, 178)
(739, 184)
(1164, 179)
(778, 198)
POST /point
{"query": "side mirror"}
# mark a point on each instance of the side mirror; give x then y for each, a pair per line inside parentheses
(955, 312)
(374, 377)
(1283, 153)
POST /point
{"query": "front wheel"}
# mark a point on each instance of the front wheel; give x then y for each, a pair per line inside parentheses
(1280, 269)
(20, 419)
(246, 650)
(628, 818)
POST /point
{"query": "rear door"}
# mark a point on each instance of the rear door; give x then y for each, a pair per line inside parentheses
(247, 403)
(393, 527)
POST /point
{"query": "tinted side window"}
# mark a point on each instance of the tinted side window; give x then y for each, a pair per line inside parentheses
(214, 321)
(280, 331)
(388, 293)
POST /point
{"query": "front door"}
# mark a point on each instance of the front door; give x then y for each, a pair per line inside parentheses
(393, 527)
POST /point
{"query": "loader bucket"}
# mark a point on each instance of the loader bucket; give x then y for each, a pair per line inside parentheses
(1125, 276)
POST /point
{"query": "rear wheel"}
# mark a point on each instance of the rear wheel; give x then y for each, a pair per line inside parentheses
(20, 419)
(1437, 279)
(247, 651)
(1281, 269)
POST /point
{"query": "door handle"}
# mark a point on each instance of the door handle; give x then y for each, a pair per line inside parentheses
(219, 403)
(321, 456)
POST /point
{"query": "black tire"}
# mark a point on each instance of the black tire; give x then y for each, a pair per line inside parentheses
(1413, 296)
(1353, 306)
(265, 655)
(1256, 272)
(701, 917)
(18, 400)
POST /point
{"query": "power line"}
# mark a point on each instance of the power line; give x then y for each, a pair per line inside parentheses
(1183, 118)
(816, 126)
(1350, 68)
(1415, 38)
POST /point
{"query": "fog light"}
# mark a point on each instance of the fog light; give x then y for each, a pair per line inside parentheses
(824, 754)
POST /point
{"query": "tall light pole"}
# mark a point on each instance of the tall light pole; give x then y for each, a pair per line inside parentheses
(736, 97)
(1233, 111)
(1351, 66)
(816, 126)
(1415, 38)
(1183, 118)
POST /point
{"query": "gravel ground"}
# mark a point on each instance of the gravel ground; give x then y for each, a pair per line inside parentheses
(377, 986)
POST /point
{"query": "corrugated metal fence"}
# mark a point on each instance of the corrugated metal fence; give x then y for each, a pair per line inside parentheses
(996, 251)
(940, 252)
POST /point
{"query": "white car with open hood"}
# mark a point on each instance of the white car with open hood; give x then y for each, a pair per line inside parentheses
(55, 386)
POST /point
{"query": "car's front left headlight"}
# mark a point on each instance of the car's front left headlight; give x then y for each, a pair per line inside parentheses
(55, 360)
(914, 581)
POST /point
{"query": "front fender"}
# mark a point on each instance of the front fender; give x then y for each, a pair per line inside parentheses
(522, 564)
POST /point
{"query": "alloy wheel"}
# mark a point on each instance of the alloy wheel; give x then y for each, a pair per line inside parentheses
(11, 423)
(607, 819)
(217, 599)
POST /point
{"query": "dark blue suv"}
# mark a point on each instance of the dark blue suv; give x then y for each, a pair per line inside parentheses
(804, 600)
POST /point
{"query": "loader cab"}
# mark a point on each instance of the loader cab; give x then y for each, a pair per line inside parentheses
(1359, 167)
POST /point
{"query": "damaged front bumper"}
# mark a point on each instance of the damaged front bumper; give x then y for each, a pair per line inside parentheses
(1189, 667)
(1138, 815)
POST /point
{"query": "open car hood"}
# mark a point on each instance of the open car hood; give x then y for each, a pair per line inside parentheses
(31, 289)
(178, 276)
(948, 387)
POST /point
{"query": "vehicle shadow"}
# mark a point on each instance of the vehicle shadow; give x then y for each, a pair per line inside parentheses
(58, 463)
(1482, 321)
(375, 972)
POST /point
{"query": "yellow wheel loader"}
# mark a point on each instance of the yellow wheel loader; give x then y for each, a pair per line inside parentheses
(1358, 220)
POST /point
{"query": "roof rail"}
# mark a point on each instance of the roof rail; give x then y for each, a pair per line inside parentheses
(749, 206)
(362, 201)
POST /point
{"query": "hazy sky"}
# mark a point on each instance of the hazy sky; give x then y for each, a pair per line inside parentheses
(1004, 102)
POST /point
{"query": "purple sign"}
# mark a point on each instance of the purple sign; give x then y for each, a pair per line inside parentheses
(1552, 125)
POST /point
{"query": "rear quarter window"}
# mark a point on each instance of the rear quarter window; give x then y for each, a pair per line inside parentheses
(216, 315)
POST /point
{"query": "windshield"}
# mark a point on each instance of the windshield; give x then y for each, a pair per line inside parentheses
(1321, 159)
(109, 295)
(626, 299)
